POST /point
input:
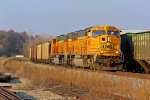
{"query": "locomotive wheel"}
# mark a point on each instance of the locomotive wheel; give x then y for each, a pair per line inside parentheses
(98, 66)
(91, 67)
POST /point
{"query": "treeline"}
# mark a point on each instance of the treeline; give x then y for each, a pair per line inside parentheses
(11, 42)
(17, 43)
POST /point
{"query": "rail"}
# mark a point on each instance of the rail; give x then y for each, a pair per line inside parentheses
(8, 95)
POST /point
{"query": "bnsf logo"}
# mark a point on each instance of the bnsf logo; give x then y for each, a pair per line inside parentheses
(108, 46)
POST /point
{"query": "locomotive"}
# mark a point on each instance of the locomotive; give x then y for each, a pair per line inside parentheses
(96, 47)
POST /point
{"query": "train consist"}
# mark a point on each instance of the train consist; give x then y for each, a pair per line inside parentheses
(97, 47)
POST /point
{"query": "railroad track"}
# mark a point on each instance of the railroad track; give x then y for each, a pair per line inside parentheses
(74, 93)
(8, 95)
(4, 77)
(69, 91)
(119, 73)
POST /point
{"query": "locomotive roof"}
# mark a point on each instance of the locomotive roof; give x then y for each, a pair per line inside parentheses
(86, 29)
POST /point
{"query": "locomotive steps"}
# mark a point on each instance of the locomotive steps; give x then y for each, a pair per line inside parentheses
(124, 85)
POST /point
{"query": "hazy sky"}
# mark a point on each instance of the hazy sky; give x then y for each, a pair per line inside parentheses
(62, 16)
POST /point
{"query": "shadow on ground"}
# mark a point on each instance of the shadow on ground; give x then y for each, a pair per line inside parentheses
(25, 96)
(14, 81)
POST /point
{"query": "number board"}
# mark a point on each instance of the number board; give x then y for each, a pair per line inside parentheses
(109, 46)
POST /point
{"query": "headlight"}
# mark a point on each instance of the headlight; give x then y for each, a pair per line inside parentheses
(117, 52)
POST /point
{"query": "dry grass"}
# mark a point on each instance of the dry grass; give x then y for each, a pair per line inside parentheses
(2, 61)
(43, 76)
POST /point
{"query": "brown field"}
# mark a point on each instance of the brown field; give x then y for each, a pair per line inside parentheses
(44, 75)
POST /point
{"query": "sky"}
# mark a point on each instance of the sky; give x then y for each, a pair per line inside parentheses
(55, 17)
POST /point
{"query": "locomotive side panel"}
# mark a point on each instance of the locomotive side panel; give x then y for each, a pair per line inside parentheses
(69, 46)
(54, 49)
(81, 45)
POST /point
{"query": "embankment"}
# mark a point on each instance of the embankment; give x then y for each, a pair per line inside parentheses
(44, 75)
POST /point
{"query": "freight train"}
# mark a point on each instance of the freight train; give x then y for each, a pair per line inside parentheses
(97, 47)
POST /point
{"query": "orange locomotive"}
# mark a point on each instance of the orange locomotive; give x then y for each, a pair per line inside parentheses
(97, 47)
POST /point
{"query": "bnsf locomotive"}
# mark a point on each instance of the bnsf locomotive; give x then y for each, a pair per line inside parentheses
(97, 47)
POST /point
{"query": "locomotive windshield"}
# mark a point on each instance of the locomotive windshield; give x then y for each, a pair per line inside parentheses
(115, 33)
(98, 32)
